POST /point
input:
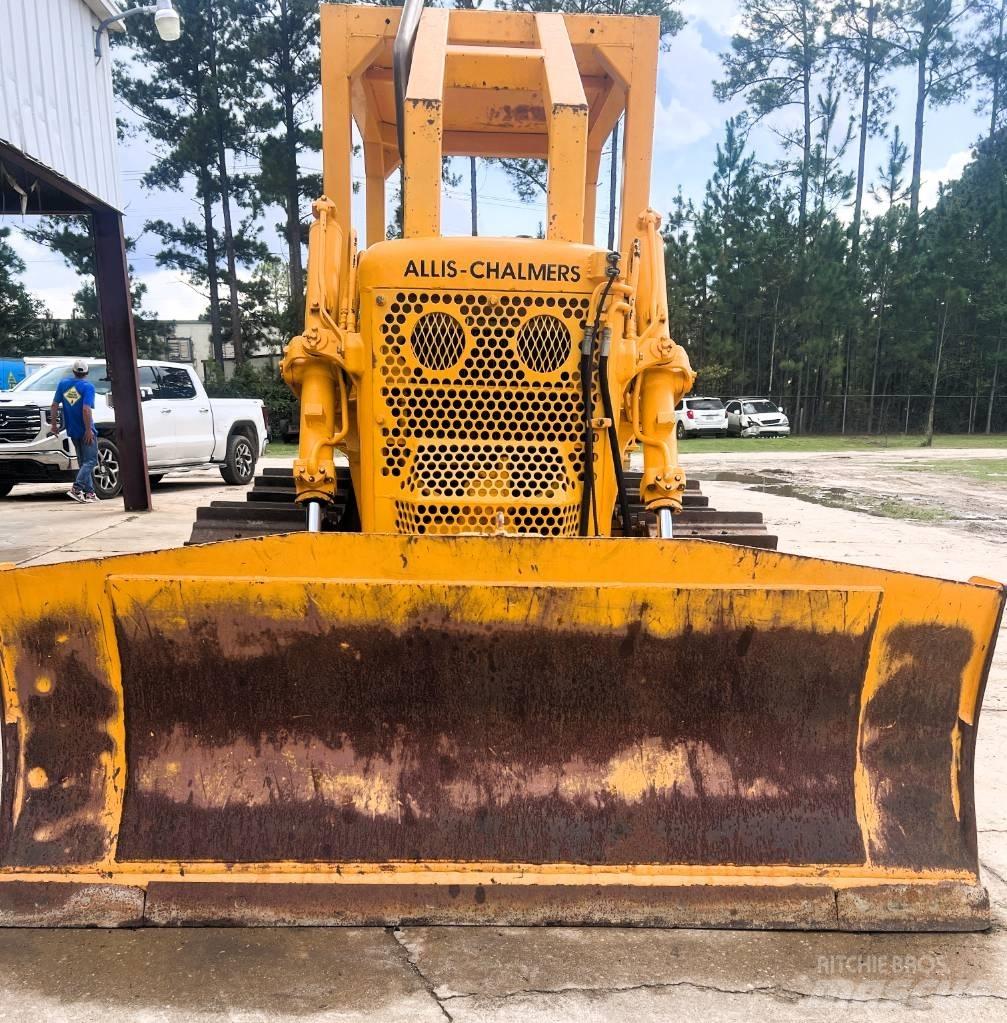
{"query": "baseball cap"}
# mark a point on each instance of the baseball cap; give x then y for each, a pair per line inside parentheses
(80, 365)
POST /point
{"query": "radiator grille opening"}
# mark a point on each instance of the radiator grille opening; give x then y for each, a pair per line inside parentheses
(483, 431)
(509, 471)
(440, 519)
(543, 342)
(437, 340)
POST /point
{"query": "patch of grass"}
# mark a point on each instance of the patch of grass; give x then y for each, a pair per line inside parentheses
(896, 508)
(281, 450)
(987, 470)
(884, 506)
(765, 445)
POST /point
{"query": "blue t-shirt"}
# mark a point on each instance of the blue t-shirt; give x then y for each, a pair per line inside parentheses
(74, 393)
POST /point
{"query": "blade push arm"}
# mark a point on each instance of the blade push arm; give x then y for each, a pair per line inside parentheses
(661, 376)
(320, 364)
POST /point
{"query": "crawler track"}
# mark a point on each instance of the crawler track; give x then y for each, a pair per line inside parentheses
(269, 508)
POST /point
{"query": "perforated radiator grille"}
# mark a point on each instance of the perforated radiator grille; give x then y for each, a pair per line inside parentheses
(480, 411)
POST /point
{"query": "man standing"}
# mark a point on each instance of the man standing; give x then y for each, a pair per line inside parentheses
(76, 396)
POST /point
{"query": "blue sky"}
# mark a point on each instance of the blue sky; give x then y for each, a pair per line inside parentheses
(688, 125)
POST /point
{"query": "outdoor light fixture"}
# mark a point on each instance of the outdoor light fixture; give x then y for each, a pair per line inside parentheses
(166, 21)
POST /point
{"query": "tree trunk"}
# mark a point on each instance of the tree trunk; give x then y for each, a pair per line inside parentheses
(993, 387)
(877, 359)
(921, 104)
(293, 211)
(613, 185)
(232, 262)
(473, 197)
(772, 343)
(224, 183)
(212, 276)
(937, 372)
(995, 100)
(806, 156)
(292, 229)
(847, 359)
(865, 109)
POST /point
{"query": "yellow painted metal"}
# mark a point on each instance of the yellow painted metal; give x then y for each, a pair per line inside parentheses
(597, 585)
(441, 327)
(421, 213)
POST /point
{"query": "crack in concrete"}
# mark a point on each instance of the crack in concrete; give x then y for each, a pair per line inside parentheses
(989, 870)
(772, 990)
(421, 976)
(70, 543)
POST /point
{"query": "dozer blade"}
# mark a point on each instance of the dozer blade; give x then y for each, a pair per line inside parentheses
(345, 728)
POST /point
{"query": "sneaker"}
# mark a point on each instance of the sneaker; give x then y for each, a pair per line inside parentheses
(92, 498)
(76, 495)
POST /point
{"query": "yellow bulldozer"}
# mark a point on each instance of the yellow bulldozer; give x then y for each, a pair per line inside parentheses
(459, 695)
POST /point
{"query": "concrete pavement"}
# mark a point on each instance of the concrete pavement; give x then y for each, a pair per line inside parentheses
(499, 975)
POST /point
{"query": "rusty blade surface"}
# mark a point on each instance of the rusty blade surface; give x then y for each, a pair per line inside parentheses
(696, 727)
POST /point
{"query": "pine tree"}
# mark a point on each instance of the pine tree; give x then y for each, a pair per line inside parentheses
(773, 64)
(859, 35)
(284, 45)
(190, 98)
(989, 51)
(18, 309)
(925, 37)
(879, 254)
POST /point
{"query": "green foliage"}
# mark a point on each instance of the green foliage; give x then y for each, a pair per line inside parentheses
(763, 309)
(773, 64)
(18, 310)
(70, 237)
(667, 10)
(265, 383)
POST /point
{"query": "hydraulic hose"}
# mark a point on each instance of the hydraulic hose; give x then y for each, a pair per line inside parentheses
(586, 359)
(613, 431)
(586, 380)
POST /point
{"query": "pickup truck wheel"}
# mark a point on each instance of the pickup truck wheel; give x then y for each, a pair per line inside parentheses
(239, 466)
(107, 481)
(6, 486)
(155, 478)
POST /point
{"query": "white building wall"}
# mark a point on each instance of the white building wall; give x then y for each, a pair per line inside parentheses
(55, 101)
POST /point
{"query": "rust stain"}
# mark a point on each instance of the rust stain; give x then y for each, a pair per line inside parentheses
(65, 749)
(512, 114)
(323, 741)
(796, 906)
(913, 746)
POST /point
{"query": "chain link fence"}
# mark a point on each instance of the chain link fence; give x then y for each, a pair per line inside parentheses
(893, 413)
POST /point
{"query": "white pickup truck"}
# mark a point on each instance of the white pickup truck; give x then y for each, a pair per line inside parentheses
(184, 429)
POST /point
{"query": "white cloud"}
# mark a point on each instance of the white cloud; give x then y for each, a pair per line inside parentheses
(686, 110)
(930, 180)
(171, 296)
(677, 125)
(722, 16)
(46, 274)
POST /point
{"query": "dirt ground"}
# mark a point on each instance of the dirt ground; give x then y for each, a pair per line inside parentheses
(933, 512)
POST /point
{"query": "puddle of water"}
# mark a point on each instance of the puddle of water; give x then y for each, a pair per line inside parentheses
(753, 479)
(781, 485)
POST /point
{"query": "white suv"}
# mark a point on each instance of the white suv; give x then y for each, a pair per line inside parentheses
(696, 416)
(756, 417)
